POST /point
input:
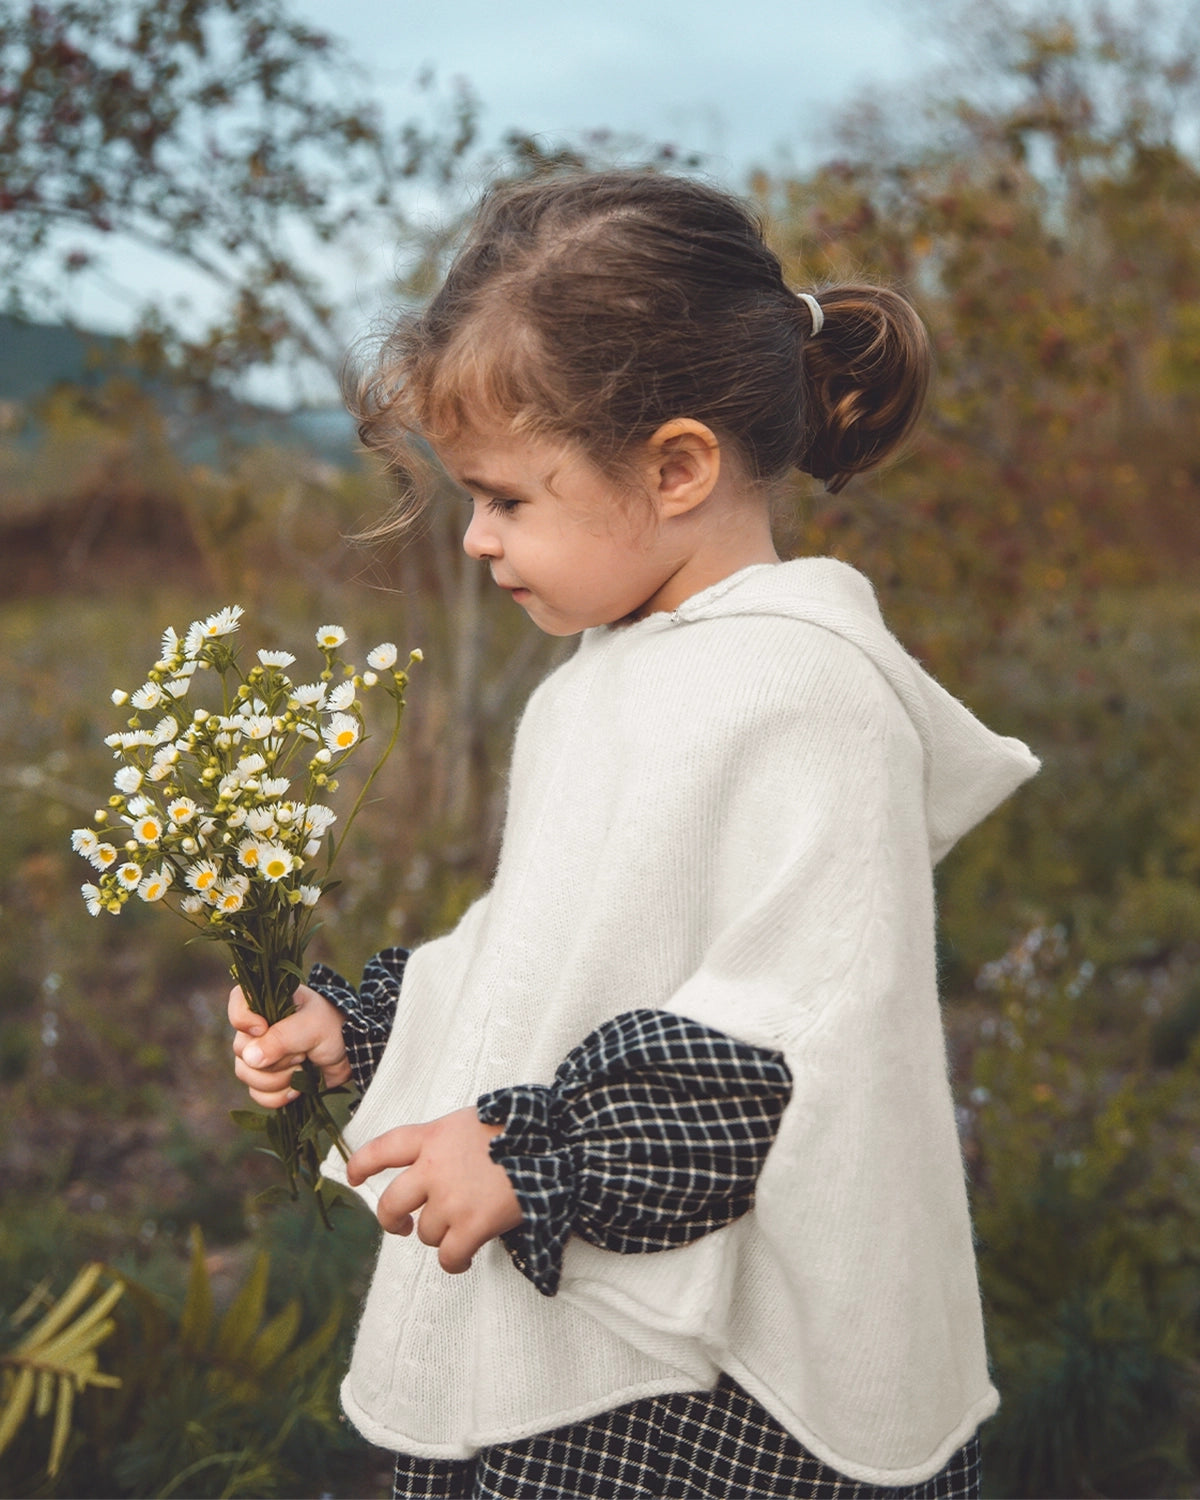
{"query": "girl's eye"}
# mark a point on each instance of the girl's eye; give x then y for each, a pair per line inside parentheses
(500, 505)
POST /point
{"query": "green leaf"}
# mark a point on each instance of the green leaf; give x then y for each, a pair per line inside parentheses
(16, 1406)
(276, 1193)
(244, 1314)
(248, 1119)
(275, 1338)
(195, 1325)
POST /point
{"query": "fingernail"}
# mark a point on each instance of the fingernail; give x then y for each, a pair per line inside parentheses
(253, 1055)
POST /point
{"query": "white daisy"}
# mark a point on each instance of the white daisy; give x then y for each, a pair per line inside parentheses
(382, 657)
(181, 810)
(276, 658)
(91, 894)
(147, 830)
(203, 875)
(261, 820)
(84, 842)
(170, 642)
(310, 894)
(130, 875)
(177, 686)
(127, 780)
(235, 817)
(274, 786)
(229, 899)
(191, 905)
(330, 637)
(340, 697)
(102, 856)
(155, 886)
(248, 852)
(149, 695)
(341, 732)
(224, 622)
(274, 861)
(318, 820)
(310, 695)
(194, 639)
(258, 726)
(166, 729)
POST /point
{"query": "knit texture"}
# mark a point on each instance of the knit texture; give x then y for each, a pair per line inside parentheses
(729, 813)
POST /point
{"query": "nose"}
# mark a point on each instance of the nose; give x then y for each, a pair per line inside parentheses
(480, 540)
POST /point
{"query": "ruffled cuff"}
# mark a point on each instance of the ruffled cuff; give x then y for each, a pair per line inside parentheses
(652, 1134)
(369, 1010)
(543, 1174)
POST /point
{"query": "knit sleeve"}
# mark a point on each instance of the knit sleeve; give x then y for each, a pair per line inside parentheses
(369, 1010)
(651, 1135)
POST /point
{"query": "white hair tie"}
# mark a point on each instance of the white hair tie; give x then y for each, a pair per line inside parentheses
(817, 312)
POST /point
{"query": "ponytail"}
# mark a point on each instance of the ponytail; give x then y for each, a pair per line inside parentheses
(865, 377)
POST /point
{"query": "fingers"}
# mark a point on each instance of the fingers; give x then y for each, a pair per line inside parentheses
(241, 1017)
(394, 1148)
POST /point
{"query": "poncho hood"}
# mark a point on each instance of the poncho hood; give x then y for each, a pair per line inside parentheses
(969, 770)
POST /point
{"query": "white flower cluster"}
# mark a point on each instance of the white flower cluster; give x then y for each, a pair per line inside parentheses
(221, 809)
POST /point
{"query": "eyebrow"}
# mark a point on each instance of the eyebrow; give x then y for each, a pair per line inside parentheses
(487, 486)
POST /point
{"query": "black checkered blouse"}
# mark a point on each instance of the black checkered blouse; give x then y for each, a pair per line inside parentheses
(651, 1135)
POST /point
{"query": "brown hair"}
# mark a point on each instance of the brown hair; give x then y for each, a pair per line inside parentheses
(595, 307)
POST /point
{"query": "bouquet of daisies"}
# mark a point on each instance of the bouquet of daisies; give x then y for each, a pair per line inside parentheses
(220, 814)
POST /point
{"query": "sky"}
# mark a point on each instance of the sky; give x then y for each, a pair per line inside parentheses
(740, 80)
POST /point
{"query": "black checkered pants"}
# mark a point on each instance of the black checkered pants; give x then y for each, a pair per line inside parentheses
(703, 1445)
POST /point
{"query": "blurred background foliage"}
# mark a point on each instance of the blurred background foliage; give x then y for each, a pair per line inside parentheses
(1037, 549)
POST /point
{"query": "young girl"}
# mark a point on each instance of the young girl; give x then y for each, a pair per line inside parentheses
(674, 1090)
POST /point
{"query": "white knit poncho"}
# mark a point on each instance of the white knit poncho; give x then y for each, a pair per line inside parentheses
(730, 812)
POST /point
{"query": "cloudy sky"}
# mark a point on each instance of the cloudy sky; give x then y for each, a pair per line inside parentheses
(740, 80)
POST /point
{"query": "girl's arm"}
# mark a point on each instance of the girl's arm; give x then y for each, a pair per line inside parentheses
(652, 1134)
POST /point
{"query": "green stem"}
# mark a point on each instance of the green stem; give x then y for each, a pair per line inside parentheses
(366, 786)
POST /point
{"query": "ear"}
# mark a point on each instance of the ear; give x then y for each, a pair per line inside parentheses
(683, 464)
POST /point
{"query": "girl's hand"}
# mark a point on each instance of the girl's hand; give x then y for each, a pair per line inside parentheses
(464, 1196)
(265, 1057)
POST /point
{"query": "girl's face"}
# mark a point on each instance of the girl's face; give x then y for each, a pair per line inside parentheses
(570, 547)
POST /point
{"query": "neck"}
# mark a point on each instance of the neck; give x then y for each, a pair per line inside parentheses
(712, 547)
